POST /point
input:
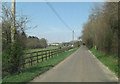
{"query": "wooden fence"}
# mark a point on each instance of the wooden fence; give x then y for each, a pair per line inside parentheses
(40, 56)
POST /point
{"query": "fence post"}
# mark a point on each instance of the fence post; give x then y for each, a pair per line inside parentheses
(31, 59)
(52, 53)
(42, 56)
(37, 56)
(49, 54)
(57, 51)
(46, 54)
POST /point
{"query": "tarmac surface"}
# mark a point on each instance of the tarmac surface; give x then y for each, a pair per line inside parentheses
(81, 66)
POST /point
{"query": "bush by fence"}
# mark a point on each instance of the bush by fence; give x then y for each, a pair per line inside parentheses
(11, 58)
(29, 59)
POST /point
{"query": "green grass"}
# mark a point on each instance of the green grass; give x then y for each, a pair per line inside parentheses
(37, 69)
(109, 60)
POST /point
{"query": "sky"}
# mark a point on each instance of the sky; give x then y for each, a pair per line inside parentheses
(74, 14)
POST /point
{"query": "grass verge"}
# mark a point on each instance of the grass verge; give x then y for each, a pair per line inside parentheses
(109, 60)
(37, 69)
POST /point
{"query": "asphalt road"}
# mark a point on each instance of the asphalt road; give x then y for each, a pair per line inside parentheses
(81, 66)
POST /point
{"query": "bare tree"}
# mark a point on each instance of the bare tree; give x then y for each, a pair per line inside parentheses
(101, 28)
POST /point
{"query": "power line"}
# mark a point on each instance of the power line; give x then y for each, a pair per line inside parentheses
(59, 17)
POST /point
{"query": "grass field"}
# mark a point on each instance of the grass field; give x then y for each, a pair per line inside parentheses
(109, 60)
(34, 50)
(37, 69)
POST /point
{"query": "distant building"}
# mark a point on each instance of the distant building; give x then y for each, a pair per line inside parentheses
(74, 43)
(67, 44)
(53, 44)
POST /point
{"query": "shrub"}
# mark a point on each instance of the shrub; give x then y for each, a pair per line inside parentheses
(11, 58)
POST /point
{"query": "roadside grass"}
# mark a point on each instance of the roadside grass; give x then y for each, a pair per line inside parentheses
(109, 60)
(33, 71)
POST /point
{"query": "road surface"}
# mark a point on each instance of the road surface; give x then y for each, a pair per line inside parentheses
(81, 66)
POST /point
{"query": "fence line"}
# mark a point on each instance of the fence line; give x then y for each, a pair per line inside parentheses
(40, 56)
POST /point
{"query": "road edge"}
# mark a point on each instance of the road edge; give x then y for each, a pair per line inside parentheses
(103, 65)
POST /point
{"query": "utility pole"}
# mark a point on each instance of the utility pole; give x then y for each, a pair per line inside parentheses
(73, 35)
(13, 22)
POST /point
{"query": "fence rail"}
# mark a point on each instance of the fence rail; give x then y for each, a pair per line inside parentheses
(39, 56)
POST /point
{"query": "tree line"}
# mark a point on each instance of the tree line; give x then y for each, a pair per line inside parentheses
(34, 42)
(20, 35)
(101, 29)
